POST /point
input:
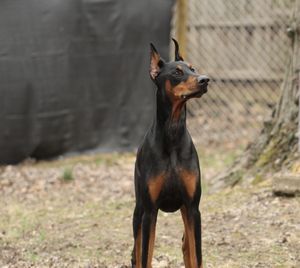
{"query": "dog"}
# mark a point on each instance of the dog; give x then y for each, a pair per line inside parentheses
(167, 172)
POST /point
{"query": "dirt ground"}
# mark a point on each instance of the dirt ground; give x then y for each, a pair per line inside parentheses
(76, 212)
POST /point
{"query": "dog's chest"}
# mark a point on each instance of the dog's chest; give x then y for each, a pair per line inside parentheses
(171, 187)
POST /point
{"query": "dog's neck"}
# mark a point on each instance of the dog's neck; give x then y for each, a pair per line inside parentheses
(170, 118)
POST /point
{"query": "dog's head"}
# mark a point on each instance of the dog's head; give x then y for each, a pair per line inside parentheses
(178, 79)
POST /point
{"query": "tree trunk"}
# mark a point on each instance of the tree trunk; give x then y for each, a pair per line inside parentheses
(277, 144)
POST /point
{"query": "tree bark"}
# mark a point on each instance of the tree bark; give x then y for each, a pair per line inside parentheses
(277, 144)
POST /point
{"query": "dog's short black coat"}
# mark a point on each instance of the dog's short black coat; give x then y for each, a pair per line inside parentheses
(167, 173)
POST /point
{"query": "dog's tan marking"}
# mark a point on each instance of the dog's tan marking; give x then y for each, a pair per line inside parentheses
(185, 87)
(189, 180)
(177, 102)
(169, 88)
(185, 242)
(138, 249)
(155, 185)
(151, 244)
(190, 257)
(182, 88)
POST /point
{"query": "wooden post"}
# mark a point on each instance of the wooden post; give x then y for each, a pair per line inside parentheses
(181, 25)
(297, 58)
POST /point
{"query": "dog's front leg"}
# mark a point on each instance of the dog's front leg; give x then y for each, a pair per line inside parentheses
(148, 237)
(136, 260)
(192, 251)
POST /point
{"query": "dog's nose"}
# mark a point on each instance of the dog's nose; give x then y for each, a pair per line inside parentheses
(202, 79)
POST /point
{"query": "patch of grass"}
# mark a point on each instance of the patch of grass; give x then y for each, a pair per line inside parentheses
(218, 159)
(107, 159)
(32, 256)
(67, 175)
(16, 222)
(258, 179)
(42, 235)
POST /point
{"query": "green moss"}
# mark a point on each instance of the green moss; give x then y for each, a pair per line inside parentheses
(267, 156)
(236, 177)
(278, 149)
(257, 179)
(67, 175)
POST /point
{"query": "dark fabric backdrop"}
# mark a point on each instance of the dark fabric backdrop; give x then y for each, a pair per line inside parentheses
(74, 74)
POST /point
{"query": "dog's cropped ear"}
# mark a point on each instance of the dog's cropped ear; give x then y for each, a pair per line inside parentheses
(178, 57)
(156, 62)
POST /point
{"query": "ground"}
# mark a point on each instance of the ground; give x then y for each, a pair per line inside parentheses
(76, 212)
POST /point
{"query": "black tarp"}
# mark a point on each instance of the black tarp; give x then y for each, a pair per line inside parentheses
(74, 74)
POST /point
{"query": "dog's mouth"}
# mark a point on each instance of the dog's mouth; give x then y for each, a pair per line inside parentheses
(201, 90)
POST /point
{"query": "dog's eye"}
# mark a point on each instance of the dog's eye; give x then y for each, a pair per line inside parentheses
(192, 69)
(179, 72)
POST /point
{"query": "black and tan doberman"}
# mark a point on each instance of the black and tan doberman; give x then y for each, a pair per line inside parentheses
(167, 173)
